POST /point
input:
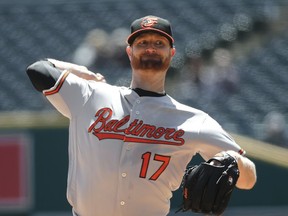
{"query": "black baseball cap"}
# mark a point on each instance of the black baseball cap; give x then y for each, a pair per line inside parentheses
(150, 24)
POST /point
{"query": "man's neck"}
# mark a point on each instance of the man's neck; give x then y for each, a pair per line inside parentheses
(154, 82)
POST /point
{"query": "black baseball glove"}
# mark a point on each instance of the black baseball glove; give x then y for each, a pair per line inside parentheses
(207, 187)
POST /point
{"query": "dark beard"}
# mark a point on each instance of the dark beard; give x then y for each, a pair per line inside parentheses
(150, 62)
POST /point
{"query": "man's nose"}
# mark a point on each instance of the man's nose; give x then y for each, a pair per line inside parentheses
(150, 49)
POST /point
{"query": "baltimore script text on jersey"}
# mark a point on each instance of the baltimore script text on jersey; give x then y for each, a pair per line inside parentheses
(106, 128)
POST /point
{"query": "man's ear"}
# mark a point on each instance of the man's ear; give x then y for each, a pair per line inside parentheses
(173, 51)
(129, 52)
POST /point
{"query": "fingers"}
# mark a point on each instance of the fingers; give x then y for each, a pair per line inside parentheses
(89, 75)
(100, 78)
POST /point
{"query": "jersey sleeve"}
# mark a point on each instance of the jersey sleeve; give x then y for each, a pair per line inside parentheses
(212, 139)
(69, 94)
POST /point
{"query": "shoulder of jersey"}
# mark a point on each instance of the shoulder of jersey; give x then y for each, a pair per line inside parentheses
(183, 107)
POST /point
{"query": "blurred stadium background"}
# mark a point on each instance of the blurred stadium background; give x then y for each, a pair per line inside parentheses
(231, 62)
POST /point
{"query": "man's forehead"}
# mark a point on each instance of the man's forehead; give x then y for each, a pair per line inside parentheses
(152, 35)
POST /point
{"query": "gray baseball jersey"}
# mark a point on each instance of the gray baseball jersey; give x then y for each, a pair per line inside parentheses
(128, 153)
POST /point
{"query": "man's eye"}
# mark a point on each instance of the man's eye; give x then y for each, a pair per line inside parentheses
(142, 43)
(159, 43)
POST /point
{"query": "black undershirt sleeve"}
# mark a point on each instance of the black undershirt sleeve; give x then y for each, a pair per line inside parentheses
(43, 74)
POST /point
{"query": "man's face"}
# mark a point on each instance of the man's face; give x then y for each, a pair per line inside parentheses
(150, 51)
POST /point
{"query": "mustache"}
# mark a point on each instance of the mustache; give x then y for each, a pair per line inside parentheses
(150, 55)
(153, 59)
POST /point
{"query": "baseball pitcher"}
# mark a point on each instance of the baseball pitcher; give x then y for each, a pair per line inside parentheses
(129, 147)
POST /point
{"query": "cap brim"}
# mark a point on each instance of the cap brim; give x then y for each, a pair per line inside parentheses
(135, 34)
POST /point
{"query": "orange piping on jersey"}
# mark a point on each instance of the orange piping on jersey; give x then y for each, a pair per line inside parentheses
(58, 87)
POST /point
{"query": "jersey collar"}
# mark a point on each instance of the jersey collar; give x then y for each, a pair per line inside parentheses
(142, 92)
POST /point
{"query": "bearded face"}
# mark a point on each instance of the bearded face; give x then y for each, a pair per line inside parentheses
(150, 52)
(150, 61)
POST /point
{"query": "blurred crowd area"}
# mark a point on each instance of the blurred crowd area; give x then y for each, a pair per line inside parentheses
(231, 56)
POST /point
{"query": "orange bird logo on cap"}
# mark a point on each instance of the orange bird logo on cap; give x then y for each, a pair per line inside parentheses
(149, 22)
